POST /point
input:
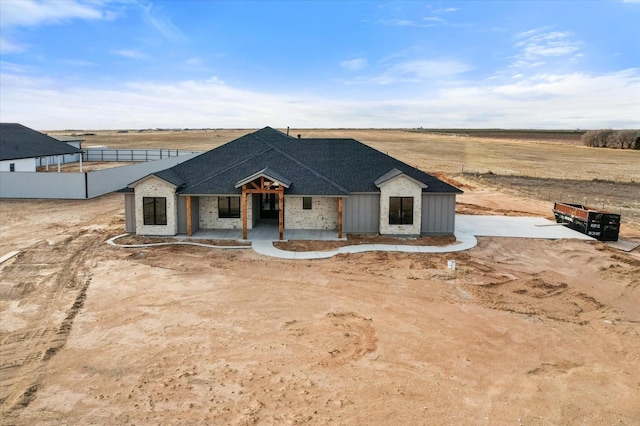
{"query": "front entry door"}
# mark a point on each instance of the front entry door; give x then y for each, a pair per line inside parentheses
(268, 206)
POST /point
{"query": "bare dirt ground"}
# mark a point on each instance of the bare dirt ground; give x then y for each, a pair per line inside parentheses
(523, 332)
(87, 166)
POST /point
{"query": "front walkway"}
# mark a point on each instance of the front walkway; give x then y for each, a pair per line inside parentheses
(468, 227)
(266, 248)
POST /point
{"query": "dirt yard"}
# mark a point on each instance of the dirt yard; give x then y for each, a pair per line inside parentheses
(523, 332)
(526, 332)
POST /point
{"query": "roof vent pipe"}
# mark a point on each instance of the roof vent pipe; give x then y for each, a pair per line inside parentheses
(287, 130)
(299, 136)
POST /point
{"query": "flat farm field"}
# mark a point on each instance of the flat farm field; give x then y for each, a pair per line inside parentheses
(545, 165)
(524, 331)
(509, 153)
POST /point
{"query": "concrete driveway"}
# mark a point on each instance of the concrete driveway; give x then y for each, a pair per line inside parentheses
(515, 227)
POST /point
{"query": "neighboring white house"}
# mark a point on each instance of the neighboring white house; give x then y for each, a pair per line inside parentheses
(23, 149)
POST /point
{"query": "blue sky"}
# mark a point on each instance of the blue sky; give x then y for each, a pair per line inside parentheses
(103, 64)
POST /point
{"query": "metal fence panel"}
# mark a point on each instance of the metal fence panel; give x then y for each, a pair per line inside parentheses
(42, 185)
(109, 180)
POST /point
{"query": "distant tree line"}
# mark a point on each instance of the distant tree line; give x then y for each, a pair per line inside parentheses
(607, 138)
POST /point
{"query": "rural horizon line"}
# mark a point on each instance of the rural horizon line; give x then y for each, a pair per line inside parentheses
(522, 129)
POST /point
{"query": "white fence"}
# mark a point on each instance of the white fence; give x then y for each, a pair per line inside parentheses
(52, 161)
(80, 185)
(106, 154)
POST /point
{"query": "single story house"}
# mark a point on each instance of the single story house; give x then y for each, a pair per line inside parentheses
(22, 149)
(302, 183)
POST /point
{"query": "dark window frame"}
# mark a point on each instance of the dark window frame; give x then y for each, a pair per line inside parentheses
(307, 203)
(154, 210)
(12, 167)
(403, 214)
(227, 210)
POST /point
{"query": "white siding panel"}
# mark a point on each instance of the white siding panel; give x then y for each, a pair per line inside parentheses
(20, 165)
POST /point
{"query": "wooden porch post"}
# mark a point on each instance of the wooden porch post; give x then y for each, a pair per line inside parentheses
(189, 225)
(244, 212)
(281, 212)
(339, 217)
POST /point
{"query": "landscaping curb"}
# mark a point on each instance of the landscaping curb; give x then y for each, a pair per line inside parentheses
(266, 248)
(111, 241)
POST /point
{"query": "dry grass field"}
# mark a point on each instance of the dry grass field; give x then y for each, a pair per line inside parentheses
(560, 158)
(532, 164)
(528, 332)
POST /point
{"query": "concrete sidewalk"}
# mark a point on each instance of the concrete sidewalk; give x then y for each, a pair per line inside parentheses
(266, 248)
(468, 227)
(515, 227)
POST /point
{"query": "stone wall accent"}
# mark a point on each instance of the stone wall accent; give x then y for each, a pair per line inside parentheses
(323, 213)
(156, 187)
(400, 186)
(209, 215)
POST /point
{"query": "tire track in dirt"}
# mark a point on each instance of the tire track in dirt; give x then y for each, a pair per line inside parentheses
(540, 295)
(40, 305)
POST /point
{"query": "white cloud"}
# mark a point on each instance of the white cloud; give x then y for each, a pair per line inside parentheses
(14, 68)
(409, 23)
(7, 46)
(539, 43)
(78, 62)
(401, 70)
(130, 53)
(354, 64)
(163, 23)
(33, 13)
(425, 69)
(432, 19)
(397, 22)
(540, 101)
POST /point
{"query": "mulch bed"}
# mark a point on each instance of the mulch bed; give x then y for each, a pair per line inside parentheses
(136, 239)
(353, 239)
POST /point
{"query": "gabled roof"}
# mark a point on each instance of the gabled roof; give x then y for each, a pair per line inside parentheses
(269, 174)
(167, 175)
(310, 166)
(18, 141)
(394, 173)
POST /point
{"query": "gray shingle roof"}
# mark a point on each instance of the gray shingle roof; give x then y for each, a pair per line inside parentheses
(313, 166)
(18, 141)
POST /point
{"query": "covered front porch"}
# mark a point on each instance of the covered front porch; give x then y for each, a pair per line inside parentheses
(259, 213)
(266, 230)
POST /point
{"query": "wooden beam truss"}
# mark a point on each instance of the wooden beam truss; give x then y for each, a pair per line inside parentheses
(262, 186)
